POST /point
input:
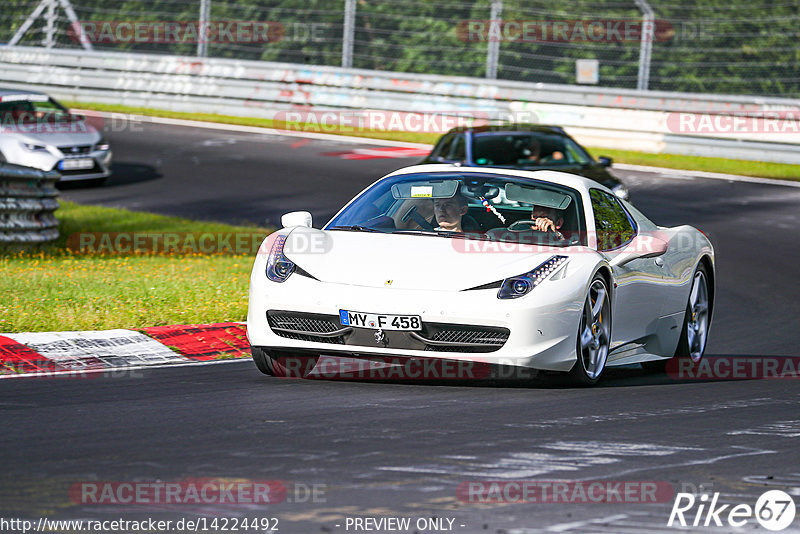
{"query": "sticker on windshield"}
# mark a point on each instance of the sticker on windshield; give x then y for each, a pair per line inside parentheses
(421, 191)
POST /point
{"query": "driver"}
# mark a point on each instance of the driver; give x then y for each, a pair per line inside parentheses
(449, 211)
(547, 220)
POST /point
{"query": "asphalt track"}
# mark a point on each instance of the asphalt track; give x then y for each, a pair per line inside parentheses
(397, 449)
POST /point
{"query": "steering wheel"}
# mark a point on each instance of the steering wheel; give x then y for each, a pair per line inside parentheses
(517, 227)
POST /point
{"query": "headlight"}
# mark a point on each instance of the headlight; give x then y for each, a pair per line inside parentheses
(33, 147)
(102, 144)
(519, 286)
(279, 267)
(621, 191)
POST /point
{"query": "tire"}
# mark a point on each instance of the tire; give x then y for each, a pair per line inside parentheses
(282, 364)
(696, 322)
(697, 319)
(594, 335)
(260, 358)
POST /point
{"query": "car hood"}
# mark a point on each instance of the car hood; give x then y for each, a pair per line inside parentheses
(65, 134)
(409, 261)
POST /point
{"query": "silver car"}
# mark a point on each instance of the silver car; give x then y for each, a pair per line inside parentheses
(36, 131)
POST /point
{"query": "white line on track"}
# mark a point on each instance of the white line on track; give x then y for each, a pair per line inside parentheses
(563, 527)
(256, 129)
(120, 370)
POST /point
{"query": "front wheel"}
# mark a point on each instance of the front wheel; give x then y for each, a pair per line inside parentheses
(594, 335)
(282, 364)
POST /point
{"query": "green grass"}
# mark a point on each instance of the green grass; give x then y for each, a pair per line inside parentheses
(779, 171)
(56, 288)
(761, 169)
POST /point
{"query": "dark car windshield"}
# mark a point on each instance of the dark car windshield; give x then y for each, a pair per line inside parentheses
(466, 205)
(23, 109)
(526, 149)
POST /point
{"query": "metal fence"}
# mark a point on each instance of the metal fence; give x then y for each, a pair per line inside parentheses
(600, 117)
(28, 198)
(714, 46)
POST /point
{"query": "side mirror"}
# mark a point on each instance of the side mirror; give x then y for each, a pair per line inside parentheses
(642, 246)
(605, 161)
(296, 218)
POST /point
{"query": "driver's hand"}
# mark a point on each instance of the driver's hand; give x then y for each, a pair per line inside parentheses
(544, 224)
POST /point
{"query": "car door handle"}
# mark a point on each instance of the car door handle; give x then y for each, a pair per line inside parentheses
(659, 262)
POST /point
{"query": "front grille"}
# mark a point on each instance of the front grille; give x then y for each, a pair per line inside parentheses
(440, 337)
(463, 338)
(303, 326)
(471, 336)
(76, 149)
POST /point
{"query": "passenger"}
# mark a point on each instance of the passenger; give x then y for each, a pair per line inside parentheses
(533, 154)
(530, 154)
(449, 212)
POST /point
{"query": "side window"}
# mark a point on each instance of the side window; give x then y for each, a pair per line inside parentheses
(613, 225)
(459, 152)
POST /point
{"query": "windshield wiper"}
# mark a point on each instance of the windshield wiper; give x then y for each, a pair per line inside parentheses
(354, 228)
(422, 232)
(443, 233)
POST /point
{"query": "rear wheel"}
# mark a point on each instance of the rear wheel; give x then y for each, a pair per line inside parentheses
(282, 364)
(697, 319)
(594, 334)
(692, 344)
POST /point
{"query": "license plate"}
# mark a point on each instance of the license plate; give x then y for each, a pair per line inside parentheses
(75, 164)
(379, 321)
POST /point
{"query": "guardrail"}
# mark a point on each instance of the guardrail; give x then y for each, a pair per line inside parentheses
(611, 118)
(27, 202)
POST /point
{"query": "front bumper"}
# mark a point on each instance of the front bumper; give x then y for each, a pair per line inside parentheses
(48, 161)
(541, 328)
(101, 169)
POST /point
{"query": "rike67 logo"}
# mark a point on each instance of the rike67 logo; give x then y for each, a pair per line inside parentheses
(774, 510)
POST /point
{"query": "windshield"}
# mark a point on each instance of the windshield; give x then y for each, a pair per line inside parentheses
(24, 109)
(526, 149)
(475, 206)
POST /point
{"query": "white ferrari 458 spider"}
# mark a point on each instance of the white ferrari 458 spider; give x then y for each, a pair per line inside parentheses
(521, 269)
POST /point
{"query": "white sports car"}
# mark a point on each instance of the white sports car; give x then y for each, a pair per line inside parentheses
(545, 270)
(37, 131)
